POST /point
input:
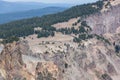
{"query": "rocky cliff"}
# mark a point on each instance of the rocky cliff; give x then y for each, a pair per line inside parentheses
(97, 58)
(90, 60)
(17, 64)
(105, 22)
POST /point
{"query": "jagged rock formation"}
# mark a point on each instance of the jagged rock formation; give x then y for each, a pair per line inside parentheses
(105, 22)
(47, 71)
(13, 65)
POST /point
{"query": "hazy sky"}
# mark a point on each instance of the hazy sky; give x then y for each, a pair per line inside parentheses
(56, 1)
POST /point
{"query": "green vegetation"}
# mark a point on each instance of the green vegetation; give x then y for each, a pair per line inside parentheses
(102, 39)
(66, 65)
(6, 31)
(106, 77)
(83, 32)
(45, 34)
(84, 28)
(26, 27)
(68, 30)
(108, 4)
(117, 48)
(10, 40)
(82, 37)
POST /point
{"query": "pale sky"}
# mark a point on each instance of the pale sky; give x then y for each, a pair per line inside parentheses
(56, 1)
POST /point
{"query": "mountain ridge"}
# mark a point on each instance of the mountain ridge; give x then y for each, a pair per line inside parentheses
(4, 18)
(47, 21)
(8, 7)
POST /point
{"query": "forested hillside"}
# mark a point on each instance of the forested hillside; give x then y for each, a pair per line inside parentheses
(26, 27)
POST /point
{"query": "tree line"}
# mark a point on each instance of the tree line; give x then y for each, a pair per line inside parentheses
(26, 27)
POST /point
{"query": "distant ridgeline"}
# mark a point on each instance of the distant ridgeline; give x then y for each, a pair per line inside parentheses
(8, 17)
(25, 27)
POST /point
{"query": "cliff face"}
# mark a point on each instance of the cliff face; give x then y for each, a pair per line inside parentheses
(11, 62)
(90, 60)
(17, 64)
(105, 22)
